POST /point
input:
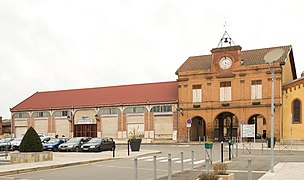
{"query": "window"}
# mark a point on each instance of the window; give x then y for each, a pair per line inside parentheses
(109, 111)
(41, 114)
(165, 108)
(62, 113)
(225, 91)
(256, 89)
(135, 110)
(21, 115)
(196, 93)
(296, 111)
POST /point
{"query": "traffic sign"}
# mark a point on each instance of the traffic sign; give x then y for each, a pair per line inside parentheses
(189, 121)
(188, 125)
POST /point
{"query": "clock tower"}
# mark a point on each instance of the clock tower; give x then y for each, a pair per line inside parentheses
(226, 57)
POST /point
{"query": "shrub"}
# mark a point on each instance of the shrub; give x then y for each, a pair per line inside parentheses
(31, 142)
(220, 168)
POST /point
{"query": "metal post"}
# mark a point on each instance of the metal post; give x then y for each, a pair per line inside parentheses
(154, 167)
(249, 176)
(199, 139)
(232, 151)
(114, 152)
(237, 149)
(182, 162)
(222, 152)
(135, 169)
(229, 151)
(192, 159)
(262, 148)
(272, 119)
(207, 165)
(128, 147)
(188, 135)
(169, 167)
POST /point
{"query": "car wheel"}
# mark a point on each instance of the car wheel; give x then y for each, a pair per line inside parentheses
(76, 149)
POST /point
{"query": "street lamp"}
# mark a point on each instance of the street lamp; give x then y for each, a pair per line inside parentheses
(269, 58)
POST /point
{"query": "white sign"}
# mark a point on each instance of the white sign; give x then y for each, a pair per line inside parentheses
(248, 130)
(188, 125)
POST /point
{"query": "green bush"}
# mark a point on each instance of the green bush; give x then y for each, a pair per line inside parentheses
(31, 142)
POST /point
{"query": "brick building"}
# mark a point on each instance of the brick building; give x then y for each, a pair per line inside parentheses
(228, 87)
(101, 112)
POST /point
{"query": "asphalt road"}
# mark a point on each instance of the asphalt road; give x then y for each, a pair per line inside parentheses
(124, 168)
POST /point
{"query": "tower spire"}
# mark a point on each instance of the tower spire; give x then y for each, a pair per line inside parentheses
(226, 39)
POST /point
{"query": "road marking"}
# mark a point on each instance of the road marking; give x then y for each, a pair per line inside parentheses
(166, 160)
(141, 158)
(159, 158)
(185, 160)
(198, 162)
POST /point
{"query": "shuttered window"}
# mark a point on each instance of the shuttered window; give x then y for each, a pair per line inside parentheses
(225, 91)
(256, 89)
(196, 93)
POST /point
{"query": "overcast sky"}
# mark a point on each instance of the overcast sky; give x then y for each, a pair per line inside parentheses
(61, 44)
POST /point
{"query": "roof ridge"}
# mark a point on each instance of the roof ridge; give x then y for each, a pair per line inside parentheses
(104, 87)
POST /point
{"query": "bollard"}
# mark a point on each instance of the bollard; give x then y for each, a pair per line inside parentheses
(232, 151)
(169, 167)
(222, 152)
(262, 148)
(135, 169)
(237, 149)
(182, 162)
(199, 139)
(207, 165)
(128, 147)
(249, 177)
(229, 149)
(154, 167)
(192, 159)
(114, 152)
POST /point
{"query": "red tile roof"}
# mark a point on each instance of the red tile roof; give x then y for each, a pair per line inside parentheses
(101, 96)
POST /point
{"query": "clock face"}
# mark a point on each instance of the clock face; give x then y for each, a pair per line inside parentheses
(225, 63)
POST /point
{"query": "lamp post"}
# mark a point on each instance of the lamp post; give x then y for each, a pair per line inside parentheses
(269, 58)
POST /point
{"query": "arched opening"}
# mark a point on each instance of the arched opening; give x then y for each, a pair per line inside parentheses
(260, 125)
(198, 128)
(225, 126)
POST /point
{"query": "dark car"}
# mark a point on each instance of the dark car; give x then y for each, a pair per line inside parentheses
(99, 144)
(73, 144)
(53, 144)
(5, 144)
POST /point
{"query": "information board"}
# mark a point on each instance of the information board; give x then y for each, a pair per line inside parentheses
(248, 130)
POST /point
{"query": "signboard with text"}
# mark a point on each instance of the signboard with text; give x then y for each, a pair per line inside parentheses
(248, 130)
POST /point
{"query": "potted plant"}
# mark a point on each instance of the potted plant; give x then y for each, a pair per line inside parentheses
(135, 139)
(208, 144)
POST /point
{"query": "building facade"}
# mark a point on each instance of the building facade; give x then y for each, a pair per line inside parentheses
(292, 123)
(150, 109)
(229, 87)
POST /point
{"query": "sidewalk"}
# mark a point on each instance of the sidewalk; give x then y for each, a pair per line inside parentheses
(68, 159)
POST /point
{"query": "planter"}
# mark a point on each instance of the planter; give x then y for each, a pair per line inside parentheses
(135, 144)
(29, 157)
(208, 145)
(226, 177)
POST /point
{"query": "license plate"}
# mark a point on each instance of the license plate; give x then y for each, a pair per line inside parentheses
(85, 149)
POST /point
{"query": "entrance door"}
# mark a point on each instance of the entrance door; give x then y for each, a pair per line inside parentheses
(85, 130)
(198, 129)
(225, 126)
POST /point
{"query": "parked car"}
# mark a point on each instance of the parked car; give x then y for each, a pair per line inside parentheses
(53, 144)
(16, 143)
(45, 139)
(73, 144)
(99, 144)
(5, 143)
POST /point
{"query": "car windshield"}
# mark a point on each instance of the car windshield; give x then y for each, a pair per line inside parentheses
(74, 140)
(53, 141)
(95, 140)
(4, 140)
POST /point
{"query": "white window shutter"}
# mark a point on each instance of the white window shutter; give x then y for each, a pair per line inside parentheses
(253, 93)
(199, 95)
(228, 94)
(222, 94)
(194, 95)
(259, 91)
